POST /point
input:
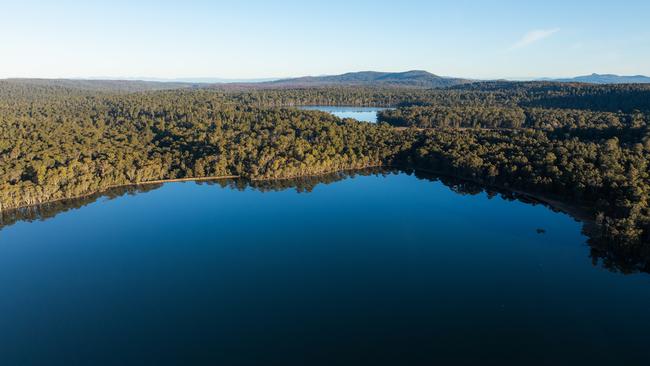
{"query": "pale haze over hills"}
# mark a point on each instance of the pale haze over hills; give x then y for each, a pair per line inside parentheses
(408, 79)
(255, 39)
(608, 79)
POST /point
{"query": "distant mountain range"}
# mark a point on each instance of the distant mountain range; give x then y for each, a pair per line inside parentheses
(407, 79)
(195, 80)
(102, 85)
(607, 79)
(413, 78)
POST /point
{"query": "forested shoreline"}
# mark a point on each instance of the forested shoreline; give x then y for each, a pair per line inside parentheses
(580, 142)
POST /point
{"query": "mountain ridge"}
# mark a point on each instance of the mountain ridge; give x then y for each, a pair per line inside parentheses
(606, 79)
(418, 79)
(411, 78)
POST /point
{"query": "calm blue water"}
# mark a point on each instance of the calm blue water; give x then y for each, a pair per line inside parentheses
(367, 270)
(364, 114)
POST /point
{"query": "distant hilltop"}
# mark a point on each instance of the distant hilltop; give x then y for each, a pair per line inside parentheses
(607, 79)
(413, 78)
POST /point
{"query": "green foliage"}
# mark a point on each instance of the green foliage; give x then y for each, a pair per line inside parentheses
(61, 145)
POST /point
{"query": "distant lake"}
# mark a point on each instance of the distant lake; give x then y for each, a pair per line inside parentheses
(382, 268)
(363, 114)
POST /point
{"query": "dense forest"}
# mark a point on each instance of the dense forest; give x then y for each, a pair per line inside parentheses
(61, 145)
(576, 142)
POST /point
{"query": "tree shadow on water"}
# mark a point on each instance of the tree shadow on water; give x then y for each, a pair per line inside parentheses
(611, 256)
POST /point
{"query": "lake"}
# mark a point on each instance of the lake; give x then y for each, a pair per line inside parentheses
(371, 268)
(363, 114)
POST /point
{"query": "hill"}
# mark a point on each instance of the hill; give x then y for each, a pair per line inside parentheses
(608, 79)
(412, 79)
(100, 85)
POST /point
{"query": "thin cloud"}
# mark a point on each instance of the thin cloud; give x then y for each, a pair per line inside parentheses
(534, 36)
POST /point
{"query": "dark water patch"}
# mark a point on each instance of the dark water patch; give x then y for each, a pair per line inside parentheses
(370, 267)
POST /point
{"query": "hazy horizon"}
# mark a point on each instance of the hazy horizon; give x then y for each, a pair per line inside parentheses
(259, 40)
(217, 79)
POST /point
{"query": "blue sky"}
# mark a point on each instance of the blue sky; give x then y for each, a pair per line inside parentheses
(253, 39)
